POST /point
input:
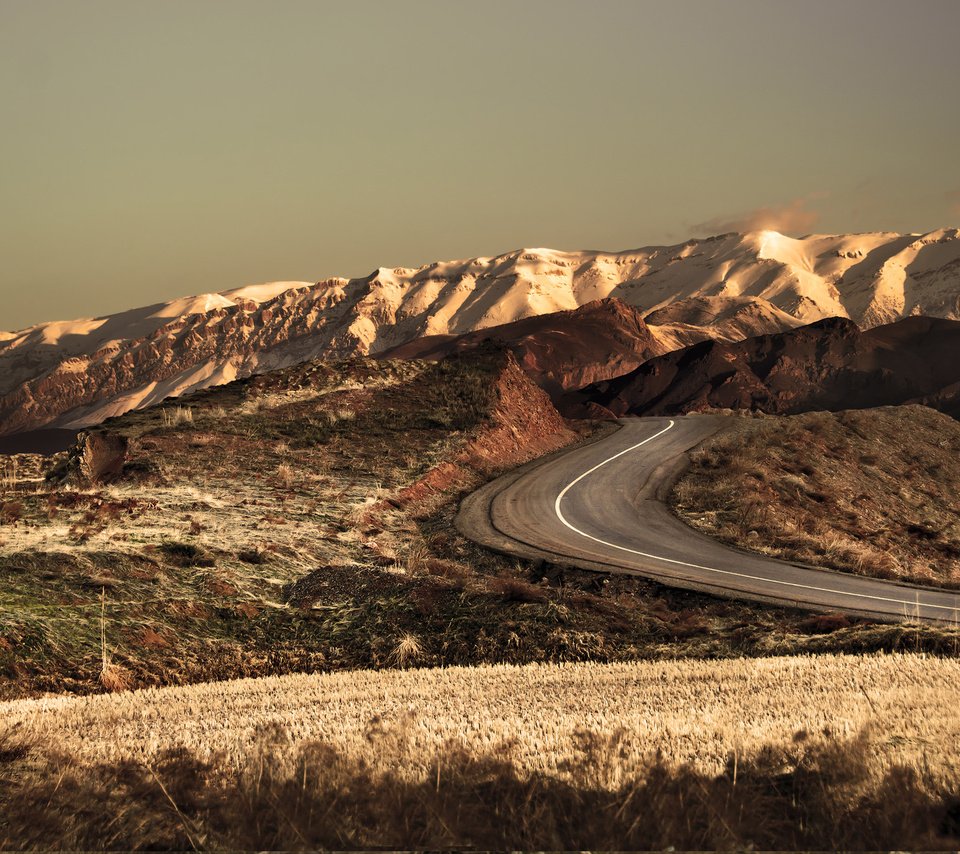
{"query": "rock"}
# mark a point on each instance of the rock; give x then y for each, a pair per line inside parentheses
(101, 456)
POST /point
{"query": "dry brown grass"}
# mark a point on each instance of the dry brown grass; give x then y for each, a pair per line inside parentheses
(211, 519)
(849, 753)
(286, 476)
(176, 415)
(814, 792)
(868, 491)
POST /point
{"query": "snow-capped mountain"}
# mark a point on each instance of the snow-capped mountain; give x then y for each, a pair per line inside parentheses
(728, 287)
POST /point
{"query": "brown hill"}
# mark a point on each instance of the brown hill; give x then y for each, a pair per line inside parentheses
(561, 351)
(830, 364)
(565, 350)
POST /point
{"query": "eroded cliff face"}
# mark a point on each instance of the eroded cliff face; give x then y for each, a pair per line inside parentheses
(73, 374)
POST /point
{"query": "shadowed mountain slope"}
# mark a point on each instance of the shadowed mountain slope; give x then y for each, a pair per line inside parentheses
(565, 350)
(830, 364)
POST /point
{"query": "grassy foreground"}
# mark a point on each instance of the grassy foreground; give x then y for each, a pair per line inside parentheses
(826, 752)
(868, 491)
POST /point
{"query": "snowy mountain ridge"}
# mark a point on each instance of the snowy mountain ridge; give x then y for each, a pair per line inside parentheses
(729, 287)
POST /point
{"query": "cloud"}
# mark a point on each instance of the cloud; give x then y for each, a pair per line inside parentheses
(791, 218)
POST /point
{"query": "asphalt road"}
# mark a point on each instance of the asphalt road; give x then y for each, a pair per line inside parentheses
(600, 506)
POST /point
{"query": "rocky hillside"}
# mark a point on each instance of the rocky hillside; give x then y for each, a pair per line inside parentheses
(69, 374)
(830, 364)
(243, 529)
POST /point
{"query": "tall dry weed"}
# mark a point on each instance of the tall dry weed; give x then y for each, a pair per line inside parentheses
(176, 415)
(286, 476)
(407, 651)
(113, 677)
(8, 474)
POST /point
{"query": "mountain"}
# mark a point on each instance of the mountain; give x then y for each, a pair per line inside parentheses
(70, 374)
(830, 364)
(727, 318)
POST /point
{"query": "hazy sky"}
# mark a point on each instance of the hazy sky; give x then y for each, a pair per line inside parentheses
(156, 148)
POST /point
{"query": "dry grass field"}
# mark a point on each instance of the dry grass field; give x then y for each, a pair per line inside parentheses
(866, 491)
(686, 711)
(786, 752)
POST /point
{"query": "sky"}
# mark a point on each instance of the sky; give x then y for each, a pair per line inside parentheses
(152, 150)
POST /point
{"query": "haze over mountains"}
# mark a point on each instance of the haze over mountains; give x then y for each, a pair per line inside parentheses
(729, 287)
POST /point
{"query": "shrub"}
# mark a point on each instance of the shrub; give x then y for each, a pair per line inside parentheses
(11, 512)
(516, 589)
(821, 624)
(186, 554)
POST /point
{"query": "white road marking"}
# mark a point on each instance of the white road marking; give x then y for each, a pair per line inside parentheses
(576, 480)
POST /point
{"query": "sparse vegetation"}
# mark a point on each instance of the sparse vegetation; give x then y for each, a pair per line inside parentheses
(214, 570)
(866, 491)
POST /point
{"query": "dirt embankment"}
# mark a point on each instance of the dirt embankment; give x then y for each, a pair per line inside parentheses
(522, 424)
(871, 491)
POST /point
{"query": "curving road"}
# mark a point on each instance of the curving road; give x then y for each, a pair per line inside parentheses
(600, 506)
